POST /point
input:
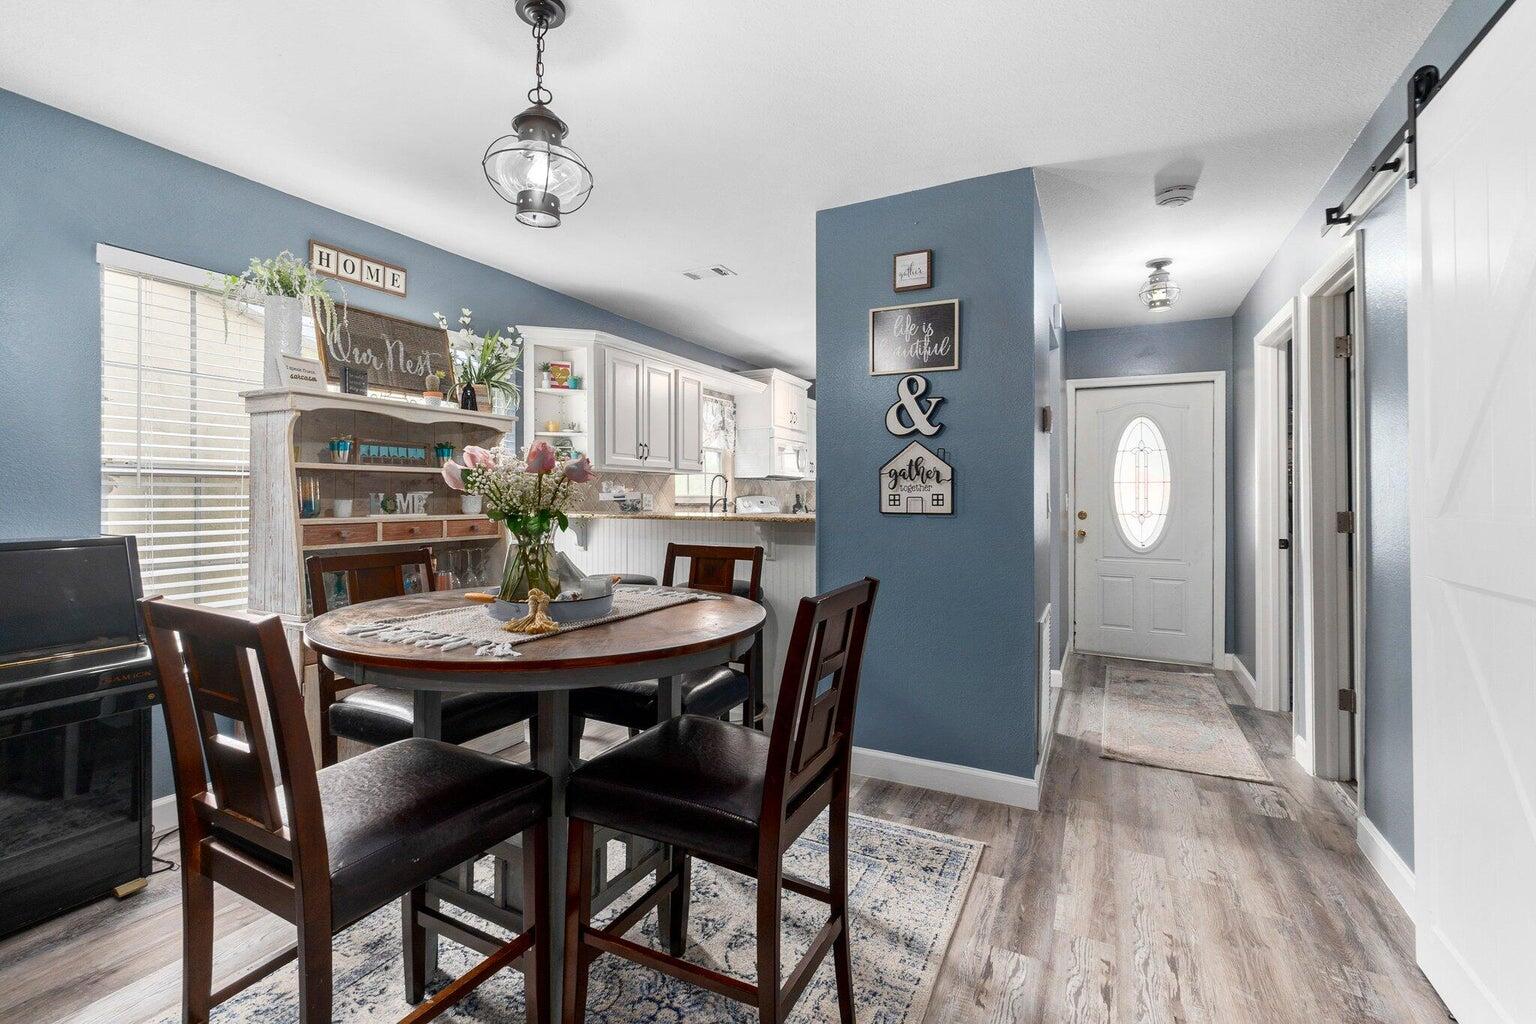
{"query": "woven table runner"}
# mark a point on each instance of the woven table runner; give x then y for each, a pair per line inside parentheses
(473, 625)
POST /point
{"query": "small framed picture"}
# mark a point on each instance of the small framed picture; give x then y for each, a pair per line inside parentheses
(912, 271)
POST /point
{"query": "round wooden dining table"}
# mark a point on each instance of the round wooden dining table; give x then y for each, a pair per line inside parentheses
(659, 645)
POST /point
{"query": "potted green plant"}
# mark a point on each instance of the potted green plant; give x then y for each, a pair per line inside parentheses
(281, 286)
(485, 367)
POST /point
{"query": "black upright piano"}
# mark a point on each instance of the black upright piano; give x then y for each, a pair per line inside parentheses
(77, 685)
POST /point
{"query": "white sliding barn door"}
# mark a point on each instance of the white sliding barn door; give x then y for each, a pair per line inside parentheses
(1472, 487)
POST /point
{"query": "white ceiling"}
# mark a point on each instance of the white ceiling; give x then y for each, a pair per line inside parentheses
(715, 130)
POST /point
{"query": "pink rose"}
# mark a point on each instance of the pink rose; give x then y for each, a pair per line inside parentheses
(476, 457)
(541, 458)
(580, 471)
(453, 474)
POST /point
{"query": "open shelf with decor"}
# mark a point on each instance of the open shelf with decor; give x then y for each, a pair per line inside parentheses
(557, 388)
(340, 472)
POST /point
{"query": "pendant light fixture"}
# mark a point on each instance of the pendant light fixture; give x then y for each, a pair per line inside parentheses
(532, 168)
(1159, 293)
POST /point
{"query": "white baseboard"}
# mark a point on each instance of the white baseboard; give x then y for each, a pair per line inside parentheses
(1397, 875)
(976, 783)
(162, 814)
(1235, 665)
(1059, 675)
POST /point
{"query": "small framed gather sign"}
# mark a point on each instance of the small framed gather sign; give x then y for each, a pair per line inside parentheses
(917, 338)
(334, 261)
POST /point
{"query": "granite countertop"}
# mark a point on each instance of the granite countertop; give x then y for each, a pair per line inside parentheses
(724, 517)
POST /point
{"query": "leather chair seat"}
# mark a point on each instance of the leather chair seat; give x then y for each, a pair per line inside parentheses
(401, 813)
(376, 715)
(709, 692)
(691, 782)
(635, 579)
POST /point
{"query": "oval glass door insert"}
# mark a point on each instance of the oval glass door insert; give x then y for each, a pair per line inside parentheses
(1142, 483)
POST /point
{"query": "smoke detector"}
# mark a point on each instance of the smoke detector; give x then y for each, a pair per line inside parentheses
(1175, 195)
(705, 273)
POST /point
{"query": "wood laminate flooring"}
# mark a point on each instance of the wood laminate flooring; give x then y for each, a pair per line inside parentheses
(1135, 895)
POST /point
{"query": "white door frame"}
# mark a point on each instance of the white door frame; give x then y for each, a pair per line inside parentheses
(1271, 385)
(1321, 615)
(1218, 378)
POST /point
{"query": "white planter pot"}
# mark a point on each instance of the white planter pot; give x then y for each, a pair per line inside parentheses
(283, 320)
(470, 503)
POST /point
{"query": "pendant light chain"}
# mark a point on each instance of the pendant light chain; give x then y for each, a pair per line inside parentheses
(539, 94)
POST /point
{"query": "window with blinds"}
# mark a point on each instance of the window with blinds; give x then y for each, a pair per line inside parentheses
(175, 439)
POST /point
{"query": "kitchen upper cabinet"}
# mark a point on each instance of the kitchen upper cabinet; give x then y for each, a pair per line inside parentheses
(789, 404)
(625, 422)
(690, 423)
(810, 430)
(641, 404)
(660, 406)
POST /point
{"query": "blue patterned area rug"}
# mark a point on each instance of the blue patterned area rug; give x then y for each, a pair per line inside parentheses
(906, 886)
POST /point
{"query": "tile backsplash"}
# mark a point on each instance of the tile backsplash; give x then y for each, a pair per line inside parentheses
(662, 490)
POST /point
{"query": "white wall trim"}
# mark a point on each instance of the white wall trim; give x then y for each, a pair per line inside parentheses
(1250, 686)
(976, 783)
(1218, 379)
(1397, 875)
(1301, 749)
(1273, 566)
(162, 814)
(143, 263)
(1321, 614)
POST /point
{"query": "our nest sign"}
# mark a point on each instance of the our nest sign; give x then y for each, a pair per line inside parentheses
(917, 482)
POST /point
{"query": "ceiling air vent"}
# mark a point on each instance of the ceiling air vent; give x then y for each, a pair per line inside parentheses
(703, 273)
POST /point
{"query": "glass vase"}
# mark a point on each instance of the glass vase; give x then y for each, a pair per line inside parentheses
(530, 566)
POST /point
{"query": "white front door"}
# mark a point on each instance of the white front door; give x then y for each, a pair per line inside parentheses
(1144, 522)
(1472, 516)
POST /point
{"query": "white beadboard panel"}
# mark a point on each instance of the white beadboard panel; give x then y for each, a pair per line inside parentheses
(640, 546)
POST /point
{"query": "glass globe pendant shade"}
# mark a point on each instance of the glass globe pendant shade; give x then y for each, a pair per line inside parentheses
(534, 171)
(1159, 293)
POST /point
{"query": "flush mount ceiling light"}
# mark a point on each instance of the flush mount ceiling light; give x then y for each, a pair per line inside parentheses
(532, 168)
(1159, 293)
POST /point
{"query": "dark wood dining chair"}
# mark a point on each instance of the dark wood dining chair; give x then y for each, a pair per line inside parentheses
(323, 849)
(713, 692)
(737, 798)
(373, 715)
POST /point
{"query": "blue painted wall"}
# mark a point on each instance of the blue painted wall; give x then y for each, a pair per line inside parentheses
(1388, 797)
(1184, 346)
(950, 671)
(67, 184)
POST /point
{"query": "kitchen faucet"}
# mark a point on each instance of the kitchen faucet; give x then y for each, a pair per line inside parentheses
(725, 493)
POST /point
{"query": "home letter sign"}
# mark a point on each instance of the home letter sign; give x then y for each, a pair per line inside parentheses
(336, 262)
(917, 483)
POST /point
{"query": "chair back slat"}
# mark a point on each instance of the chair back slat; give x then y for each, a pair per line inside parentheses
(813, 722)
(370, 576)
(219, 670)
(712, 567)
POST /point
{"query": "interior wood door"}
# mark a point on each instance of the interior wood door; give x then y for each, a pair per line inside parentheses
(1144, 523)
(623, 409)
(659, 412)
(1472, 515)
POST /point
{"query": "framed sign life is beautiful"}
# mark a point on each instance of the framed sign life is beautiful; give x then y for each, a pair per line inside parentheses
(920, 337)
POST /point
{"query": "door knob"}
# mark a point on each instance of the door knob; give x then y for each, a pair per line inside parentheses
(1081, 534)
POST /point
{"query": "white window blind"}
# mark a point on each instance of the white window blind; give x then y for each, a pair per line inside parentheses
(175, 439)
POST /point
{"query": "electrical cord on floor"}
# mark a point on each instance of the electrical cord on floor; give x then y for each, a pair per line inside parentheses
(161, 865)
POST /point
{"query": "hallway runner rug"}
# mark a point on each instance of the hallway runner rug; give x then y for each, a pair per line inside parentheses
(906, 889)
(1176, 720)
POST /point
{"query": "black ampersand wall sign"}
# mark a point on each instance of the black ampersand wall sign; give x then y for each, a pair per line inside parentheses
(918, 410)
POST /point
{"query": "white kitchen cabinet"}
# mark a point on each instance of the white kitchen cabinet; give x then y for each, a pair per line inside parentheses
(810, 432)
(773, 436)
(660, 406)
(625, 421)
(690, 423)
(789, 404)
